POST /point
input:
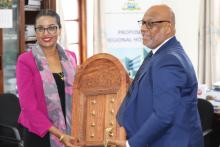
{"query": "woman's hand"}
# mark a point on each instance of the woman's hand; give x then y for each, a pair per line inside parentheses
(70, 141)
(67, 140)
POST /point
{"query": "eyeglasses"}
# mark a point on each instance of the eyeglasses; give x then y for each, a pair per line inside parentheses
(150, 24)
(50, 29)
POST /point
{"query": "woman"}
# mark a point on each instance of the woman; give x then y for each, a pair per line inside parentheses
(44, 79)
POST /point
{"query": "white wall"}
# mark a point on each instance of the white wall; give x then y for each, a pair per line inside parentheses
(89, 14)
(187, 22)
(187, 25)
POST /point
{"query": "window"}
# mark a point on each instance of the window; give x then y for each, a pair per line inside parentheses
(72, 17)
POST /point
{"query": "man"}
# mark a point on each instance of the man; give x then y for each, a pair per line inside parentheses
(160, 109)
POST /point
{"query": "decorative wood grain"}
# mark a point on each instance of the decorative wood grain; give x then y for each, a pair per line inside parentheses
(99, 88)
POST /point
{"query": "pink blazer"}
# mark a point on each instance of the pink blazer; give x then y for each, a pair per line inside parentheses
(34, 115)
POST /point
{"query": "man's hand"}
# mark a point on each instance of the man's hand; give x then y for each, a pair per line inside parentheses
(120, 143)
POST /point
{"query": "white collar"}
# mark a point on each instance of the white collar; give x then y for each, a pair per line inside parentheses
(155, 50)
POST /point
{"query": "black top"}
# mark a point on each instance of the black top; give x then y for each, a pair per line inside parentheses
(33, 140)
(61, 90)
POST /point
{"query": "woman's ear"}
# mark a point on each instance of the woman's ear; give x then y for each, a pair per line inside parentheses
(59, 35)
(60, 30)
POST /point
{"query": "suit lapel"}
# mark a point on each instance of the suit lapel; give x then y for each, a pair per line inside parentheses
(146, 67)
(157, 55)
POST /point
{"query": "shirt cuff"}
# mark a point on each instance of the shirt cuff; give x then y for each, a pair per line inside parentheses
(127, 144)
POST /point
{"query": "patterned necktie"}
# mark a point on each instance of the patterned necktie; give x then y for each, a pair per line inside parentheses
(139, 72)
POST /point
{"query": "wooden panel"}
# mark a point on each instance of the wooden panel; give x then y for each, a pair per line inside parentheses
(110, 114)
(99, 88)
(1, 64)
(21, 32)
(52, 4)
(83, 30)
(95, 113)
(49, 4)
(30, 17)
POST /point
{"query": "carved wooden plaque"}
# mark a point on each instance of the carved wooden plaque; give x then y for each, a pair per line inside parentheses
(99, 88)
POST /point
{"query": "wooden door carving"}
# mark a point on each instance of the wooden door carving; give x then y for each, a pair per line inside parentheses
(99, 88)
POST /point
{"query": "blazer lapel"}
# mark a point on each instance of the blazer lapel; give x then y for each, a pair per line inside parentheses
(146, 67)
(156, 55)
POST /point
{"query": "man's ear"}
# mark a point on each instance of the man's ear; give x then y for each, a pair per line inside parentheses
(169, 28)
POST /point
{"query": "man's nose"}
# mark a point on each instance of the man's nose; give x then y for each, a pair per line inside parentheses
(144, 29)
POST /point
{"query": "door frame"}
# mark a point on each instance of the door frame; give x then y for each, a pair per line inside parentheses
(1, 61)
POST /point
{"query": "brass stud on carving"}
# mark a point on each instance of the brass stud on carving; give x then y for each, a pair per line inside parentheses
(93, 113)
(112, 111)
(112, 100)
(111, 123)
(93, 124)
(92, 135)
(93, 102)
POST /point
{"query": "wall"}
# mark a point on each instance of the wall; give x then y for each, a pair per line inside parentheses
(187, 22)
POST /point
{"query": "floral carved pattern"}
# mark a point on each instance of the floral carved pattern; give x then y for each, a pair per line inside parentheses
(101, 75)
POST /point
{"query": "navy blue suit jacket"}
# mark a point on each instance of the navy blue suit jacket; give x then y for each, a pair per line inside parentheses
(161, 109)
